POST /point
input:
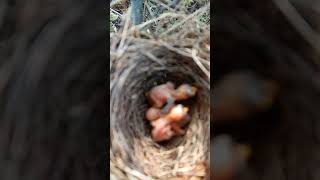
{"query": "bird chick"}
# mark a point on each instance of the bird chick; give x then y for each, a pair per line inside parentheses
(241, 94)
(178, 117)
(184, 92)
(153, 114)
(177, 113)
(161, 130)
(227, 157)
(166, 94)
(169, 125)
(159, 95)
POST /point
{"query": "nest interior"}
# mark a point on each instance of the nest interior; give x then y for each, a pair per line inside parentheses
(131, 140)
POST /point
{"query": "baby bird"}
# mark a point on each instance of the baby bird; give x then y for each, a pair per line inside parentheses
(153, 114)
(184, 92)
(241, 94)
(159, 95)
(169, 125)
(227, 158)
(178, 117)
(177, 113)
(162, 130)
(166, 94)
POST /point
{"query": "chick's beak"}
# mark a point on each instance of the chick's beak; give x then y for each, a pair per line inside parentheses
(193, 90)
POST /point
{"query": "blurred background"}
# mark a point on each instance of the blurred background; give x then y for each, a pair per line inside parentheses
(265, 90)
(53, 76)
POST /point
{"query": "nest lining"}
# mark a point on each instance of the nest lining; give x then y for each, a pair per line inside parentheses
(132, 144)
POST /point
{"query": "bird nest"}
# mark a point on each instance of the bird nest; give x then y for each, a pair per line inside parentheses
(137, 65)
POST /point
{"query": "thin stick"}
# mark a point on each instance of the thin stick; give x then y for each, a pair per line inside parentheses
(116, 12)
(162, 16)
(195, 58)
(125, 31)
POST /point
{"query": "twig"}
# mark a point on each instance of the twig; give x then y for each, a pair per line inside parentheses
(164, 15)
(125, 31)
(195, 58)
(116, 12)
